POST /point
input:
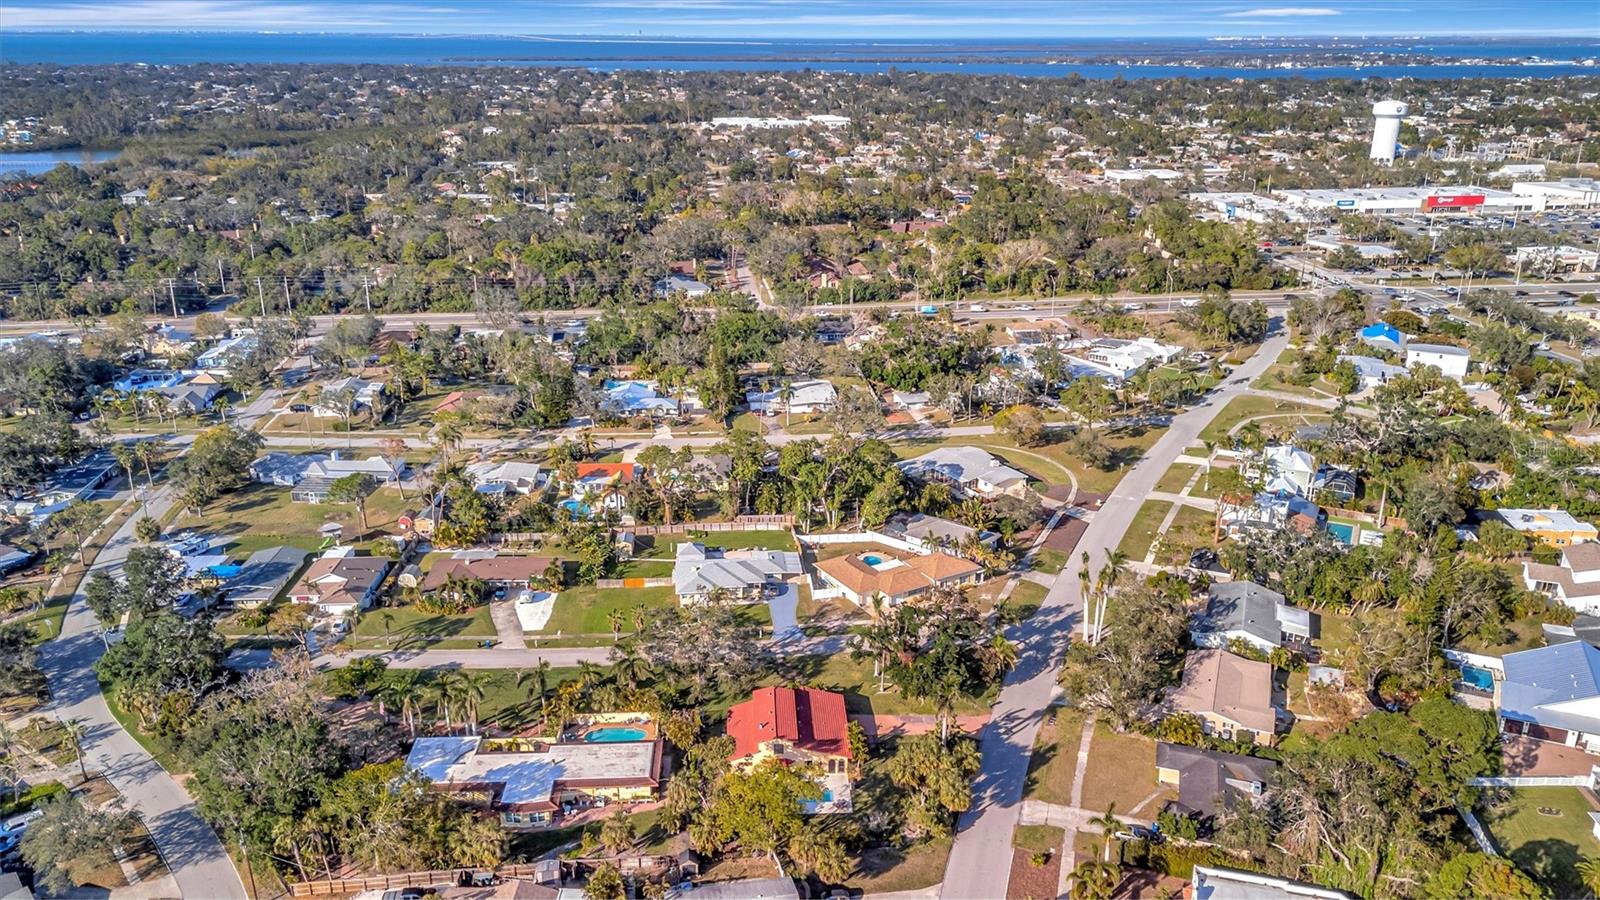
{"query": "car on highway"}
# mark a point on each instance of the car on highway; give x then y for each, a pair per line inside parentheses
(1132, 306)
(1023, 307)
(977, 307)
(1189, 302)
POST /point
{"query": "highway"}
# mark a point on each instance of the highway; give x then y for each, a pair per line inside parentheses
(979, 861)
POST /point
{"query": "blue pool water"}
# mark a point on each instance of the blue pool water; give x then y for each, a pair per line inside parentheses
(827, 796)
(872, 560)
(577, 509)
(1342, 532)
(615, 735)
(1482, 679)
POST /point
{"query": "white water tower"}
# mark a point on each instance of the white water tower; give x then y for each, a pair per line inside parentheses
(1386, 115)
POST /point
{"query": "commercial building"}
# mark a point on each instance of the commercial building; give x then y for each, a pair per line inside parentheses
(1411, 200)
(1451, 361)
(1244, 206)
(1566, 193)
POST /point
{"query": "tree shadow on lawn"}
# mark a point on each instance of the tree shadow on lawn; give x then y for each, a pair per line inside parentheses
(1553, 863)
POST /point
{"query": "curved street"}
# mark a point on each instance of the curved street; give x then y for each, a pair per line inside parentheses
(979, 864)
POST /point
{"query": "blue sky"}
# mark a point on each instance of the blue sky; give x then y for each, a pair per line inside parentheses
(830, 19)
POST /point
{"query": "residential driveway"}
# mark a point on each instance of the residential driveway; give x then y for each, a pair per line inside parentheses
(1007, 743)
(199, 864)
(507, 627)
(783, 606)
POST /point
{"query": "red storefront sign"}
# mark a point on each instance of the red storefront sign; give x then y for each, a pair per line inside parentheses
(1455, 201)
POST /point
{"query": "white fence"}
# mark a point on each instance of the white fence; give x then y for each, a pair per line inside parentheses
(862, 537)
(1590, 780)
(1492, 663)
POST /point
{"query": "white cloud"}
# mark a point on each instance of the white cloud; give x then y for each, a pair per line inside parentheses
(1281, 12)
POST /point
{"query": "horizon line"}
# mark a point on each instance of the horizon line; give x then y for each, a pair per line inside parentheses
(1396, 35)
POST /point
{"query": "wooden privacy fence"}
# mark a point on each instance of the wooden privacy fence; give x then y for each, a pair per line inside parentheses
(742, 523)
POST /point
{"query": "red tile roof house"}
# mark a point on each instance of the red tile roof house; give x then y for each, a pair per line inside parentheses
(796, 725)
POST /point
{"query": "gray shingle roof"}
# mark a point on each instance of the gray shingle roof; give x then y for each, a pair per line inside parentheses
(1256, 610)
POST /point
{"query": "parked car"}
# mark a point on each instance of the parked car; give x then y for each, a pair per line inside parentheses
(299, 407)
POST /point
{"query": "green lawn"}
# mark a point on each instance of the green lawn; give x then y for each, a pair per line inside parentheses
(586, 609)
(1173, 480)
(1055, 757)
(1049, 561)
(1241, 408)
(1039, 838)
(884, 870)
(1548, 847)
(1136, 543)
(46, 621)
(854, 679)
(409, 627)
(1025, 598)
(505, 702)
(1191, 529)
(643, 568)
(1122, 770)
(665, 546)
(261, 515)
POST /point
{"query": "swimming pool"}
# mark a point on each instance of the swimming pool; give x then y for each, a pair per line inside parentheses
(1476, 677)
(1342, 532)
(871, 560)
(577, 508)
(615, 734)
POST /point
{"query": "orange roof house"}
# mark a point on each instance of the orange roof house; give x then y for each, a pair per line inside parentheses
(861, 578)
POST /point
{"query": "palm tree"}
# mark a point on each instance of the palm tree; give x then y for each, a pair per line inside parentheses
(126, 458)
(1109, 825)
(445, 692)
(1093, 880)
(145, 451)
(631, 667)
(471, 696)
(1589, 874)
(614, 618)
(75, 733)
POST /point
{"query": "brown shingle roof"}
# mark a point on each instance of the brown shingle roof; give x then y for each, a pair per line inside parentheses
(919, 573)
(1235, 688)
(493, 568)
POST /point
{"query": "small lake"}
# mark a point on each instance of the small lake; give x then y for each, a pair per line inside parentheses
(34, 162)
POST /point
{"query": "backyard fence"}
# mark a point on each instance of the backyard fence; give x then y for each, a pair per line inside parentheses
(862, 537)
(633, 582)
(543, 872)
(1522, 781)
(741, 523)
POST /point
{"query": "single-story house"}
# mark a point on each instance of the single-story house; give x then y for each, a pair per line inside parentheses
(79, 480)
(863, 576)
(531, 783)
(1450, 361)
(1370, 371)
(283, 469)
(312, 489)
(363, 395)
(597, 481)
(228, 352)
(1575, 581)
(743, 576)
(1553, 694)
(1119, 359)
(496, 570)
(804, 397)
(263, 576)
(929, 533)
(339, 582)
(1383, 336)
(970, 470)
(1246, 611)
(14, 558)
(1210, 782)
(1231, 695)
(1556, 527)
(638, 398)
(677, 283)
(382, 469)
(504, 476)
(1212, 883)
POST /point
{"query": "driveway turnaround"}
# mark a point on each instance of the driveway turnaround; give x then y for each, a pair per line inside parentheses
(979, 866)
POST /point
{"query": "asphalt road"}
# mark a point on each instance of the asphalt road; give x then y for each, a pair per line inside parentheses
(979, 864)
(200, 864)
(198, 861)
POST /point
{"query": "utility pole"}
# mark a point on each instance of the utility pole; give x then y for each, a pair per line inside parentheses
(261, 295)
(366, 291)
(286, 298)
(222, 277)
(172, 294)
